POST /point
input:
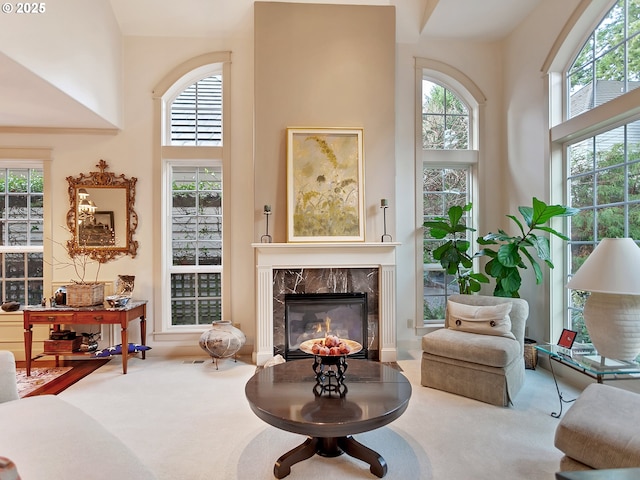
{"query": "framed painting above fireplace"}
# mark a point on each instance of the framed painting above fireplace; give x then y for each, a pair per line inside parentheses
(325, 185)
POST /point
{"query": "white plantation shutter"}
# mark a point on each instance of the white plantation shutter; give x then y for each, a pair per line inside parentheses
(196, 114)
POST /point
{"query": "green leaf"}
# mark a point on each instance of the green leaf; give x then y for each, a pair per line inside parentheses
(510, 283)
(515, 219)
(455, 214)
(440, 251)
(541, 244)
(554, 232)
(536, 267)
(508, 255)
(542, 212)
(438, 233)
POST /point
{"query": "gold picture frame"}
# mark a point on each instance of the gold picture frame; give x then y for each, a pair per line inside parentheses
(325, 185)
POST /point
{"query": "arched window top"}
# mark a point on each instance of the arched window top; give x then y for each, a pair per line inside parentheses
(608, 65)
(195, 114)
(445, 118)
(192, 97)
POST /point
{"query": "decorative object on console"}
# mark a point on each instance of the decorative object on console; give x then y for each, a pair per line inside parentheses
(612, 310)
(125, 284)
(384, 204)
(325, 185)
(567, 337)
(266, 238)
(85, 294)
(223, 340)
(60, 296)
(117, 301)
(10, 306)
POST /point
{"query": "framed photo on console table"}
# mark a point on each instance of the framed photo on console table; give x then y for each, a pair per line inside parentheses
(325, 185)
(567, 338)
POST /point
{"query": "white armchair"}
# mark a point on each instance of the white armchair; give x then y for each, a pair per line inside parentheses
(8, 386)
(489, 368)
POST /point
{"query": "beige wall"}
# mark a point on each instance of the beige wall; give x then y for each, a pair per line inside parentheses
(323, 66)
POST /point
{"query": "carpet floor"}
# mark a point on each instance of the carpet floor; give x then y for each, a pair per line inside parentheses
(188, 421)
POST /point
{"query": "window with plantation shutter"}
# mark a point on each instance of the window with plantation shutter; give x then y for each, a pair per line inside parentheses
(195, 103)
(196, 114)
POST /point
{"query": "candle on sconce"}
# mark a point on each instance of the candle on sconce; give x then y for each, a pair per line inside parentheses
(267, 208)
(384, 202)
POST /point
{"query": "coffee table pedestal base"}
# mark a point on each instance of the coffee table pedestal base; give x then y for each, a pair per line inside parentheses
(330, 447)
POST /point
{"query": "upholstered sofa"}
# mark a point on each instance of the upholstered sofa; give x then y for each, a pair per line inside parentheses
(476, 363)
(600, 430)
(48, 438)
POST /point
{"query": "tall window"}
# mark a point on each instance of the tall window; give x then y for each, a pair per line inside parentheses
(602, 151)
(193, 159)
(446, 169)
(21, 234)
(196, 244)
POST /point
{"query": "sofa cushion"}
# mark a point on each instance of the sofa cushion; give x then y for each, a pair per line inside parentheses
(48, 438)
(490, 350)
(600, 430)
(480, 319)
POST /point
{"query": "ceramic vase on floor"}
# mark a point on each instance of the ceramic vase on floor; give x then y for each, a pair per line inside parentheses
(223, 340)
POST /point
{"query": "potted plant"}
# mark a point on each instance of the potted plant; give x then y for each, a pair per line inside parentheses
(509, 256)
(452, 254)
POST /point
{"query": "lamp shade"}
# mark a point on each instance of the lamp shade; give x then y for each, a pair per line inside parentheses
(612, 267)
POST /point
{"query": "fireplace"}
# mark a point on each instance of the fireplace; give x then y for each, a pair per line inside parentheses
(340, 267)
(314, 315)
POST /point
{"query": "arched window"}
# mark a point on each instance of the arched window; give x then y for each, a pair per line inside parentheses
(446, 163)
(196, 113)
(194, 103)
(597, 140)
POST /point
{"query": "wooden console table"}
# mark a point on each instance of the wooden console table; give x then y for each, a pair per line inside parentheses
(95, 315)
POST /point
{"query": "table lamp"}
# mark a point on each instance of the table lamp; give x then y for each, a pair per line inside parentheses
(612, 310)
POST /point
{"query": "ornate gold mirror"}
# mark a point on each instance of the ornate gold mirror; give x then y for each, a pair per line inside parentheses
(101, 217)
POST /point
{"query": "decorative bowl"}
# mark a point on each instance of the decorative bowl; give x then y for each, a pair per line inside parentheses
(307, 345)
(116, 301)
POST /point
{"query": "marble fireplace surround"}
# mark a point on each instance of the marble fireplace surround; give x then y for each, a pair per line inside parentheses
(274, 261)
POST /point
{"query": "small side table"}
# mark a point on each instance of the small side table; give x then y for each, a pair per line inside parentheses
(96, 315)
(584, 358)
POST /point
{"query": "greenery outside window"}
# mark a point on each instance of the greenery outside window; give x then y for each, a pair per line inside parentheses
(601, 149)
(196, 244)
(446, 173)
(21, 234)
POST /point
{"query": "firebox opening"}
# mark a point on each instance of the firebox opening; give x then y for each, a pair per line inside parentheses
(314, 315)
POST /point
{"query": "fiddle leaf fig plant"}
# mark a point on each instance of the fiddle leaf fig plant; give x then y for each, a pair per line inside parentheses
(452, 254)
(511, 254)
(509, 257)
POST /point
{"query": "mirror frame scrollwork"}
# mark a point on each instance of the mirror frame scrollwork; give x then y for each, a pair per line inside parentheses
(102, 179)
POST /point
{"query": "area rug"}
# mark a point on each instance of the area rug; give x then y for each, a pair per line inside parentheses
(48, 379)
(39, 377)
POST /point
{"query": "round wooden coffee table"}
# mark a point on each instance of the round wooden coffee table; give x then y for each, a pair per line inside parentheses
(283, 396)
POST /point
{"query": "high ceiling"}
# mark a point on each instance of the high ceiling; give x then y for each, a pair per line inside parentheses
(29, 101)
(470, 19)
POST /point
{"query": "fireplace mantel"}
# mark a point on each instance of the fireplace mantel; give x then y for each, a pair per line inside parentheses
(274, 256)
